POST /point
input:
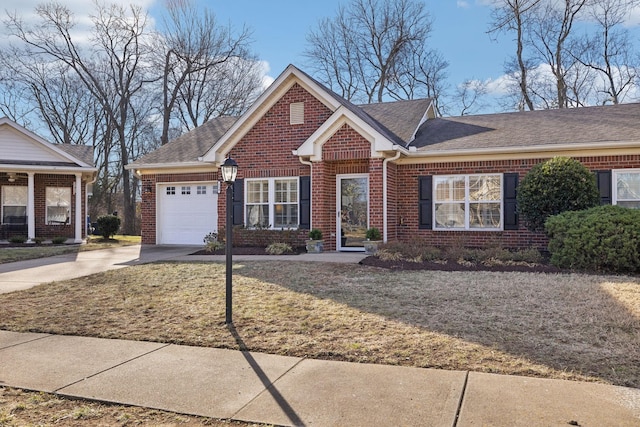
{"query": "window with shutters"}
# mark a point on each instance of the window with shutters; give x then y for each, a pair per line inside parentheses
(467, 202)
(272, 202)
(626, 188)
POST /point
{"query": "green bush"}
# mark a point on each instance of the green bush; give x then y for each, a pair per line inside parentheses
(373, 234)
(58, 240)
(108, 225)
(555, 186)
(18, 239)
(315, 234)
(604, 239)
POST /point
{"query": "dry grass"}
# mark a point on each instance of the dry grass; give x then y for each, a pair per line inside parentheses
(22, 253)
(570, 326)
(22, 408)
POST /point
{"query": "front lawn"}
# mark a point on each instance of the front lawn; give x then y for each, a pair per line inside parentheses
(32, 251)
(568, 326)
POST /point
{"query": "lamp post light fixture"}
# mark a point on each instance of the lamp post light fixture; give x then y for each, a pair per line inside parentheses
(229, 170)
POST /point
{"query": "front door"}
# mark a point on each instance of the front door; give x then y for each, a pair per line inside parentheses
(353, 211)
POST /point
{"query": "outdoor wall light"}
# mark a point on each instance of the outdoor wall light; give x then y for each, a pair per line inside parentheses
(229, 170)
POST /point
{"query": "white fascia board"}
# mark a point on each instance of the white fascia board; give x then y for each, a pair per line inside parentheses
(312, 147)
(546, 151)
(265, 101)
(153, 168)
(46, 144)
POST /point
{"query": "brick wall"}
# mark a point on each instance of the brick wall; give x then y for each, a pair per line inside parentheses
(407, 204)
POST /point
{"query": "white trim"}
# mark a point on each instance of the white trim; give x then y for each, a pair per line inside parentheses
(271, 200)
(614, 183)
(259, 108)
(339, 178)
(466, 203)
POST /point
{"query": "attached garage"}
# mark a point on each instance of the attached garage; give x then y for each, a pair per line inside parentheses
(187, 212)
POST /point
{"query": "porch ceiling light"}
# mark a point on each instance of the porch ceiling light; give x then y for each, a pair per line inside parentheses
(229, 169)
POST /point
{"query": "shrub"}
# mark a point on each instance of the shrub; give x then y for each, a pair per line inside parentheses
(373, 234)
(38, 240)
(17, 239)
(58, 240)
(315, 234)
(555, 186)
(211, 242)
(108, 225)
(278, 248)
(604, 238)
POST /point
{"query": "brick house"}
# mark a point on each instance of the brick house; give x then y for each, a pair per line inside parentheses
(43, 186)
(310, 159)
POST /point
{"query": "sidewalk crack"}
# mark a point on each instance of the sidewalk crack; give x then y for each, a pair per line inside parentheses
(461, 401)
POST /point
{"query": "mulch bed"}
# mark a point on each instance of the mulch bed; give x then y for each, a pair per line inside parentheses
(373, 261)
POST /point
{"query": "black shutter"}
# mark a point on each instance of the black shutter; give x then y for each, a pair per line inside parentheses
(510, 215)
(305, 202)
(425, 199)
(238, 202)
(603, 179)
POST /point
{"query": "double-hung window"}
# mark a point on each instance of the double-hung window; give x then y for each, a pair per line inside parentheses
(58, 205)
(272, 202)
(627, 188)
(14, 204)
(467, 202)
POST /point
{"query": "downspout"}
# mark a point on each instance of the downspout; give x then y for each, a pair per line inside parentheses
(384, 192)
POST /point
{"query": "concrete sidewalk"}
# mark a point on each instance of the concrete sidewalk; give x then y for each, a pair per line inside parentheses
(292, 391)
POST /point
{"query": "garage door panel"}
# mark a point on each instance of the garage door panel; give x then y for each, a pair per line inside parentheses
(186, 212)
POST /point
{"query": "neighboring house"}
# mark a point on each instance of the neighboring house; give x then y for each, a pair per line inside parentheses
(310, 159)
(43, 186)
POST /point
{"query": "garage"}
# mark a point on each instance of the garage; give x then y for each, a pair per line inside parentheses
(186, 212)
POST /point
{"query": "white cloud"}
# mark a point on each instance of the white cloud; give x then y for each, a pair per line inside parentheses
(462, 4)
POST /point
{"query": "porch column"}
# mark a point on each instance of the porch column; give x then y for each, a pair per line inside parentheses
(31, 206)
(78, 221)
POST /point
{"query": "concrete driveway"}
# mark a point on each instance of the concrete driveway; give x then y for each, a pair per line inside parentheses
(20, 275)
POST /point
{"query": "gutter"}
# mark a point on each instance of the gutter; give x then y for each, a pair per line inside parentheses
(384, 190)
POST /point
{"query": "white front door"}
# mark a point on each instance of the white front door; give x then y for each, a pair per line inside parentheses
(186, 212)
(352, 200)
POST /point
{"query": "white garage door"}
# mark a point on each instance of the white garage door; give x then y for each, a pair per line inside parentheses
(186, 212)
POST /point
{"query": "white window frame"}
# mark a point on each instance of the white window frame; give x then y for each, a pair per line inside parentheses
(48, 196)
(4, 198)
(270, 202)
(616, 198)
(466, 202)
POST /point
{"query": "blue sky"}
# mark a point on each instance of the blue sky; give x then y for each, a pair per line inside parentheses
(280, 26)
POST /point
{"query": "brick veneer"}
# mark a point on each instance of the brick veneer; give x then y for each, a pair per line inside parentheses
(406, 208)
(266, 151)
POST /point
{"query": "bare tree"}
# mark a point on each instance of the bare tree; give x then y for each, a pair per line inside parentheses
(609, 51)
(111, 68)
(511, 16)
(196, 50)
(366, 50)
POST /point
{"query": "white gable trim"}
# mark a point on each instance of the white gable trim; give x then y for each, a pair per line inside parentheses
(44, 143)
(278, 88)
(312, 147)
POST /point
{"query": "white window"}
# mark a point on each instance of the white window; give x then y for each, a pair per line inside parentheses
(467, 202)
(186, 190)
(14, 204)
(171, 191)
(58, 205)
(627, 188)
(272, 202)
(201, 189)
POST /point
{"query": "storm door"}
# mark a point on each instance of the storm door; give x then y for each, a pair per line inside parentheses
(353, 211)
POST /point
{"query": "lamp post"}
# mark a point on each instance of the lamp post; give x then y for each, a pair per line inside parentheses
(229, 169)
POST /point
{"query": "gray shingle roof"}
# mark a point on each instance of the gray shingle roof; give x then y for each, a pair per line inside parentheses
(83, 153)
(400, 117)
(191, 145)
(586, 125)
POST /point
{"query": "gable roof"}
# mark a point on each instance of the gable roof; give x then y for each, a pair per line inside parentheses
(544, 129)
(188, 148)
(39, 152)
(401, 118)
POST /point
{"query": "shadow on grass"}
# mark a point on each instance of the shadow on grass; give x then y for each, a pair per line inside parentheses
(577, 324)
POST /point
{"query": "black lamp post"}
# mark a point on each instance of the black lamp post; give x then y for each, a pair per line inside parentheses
(229, 169)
